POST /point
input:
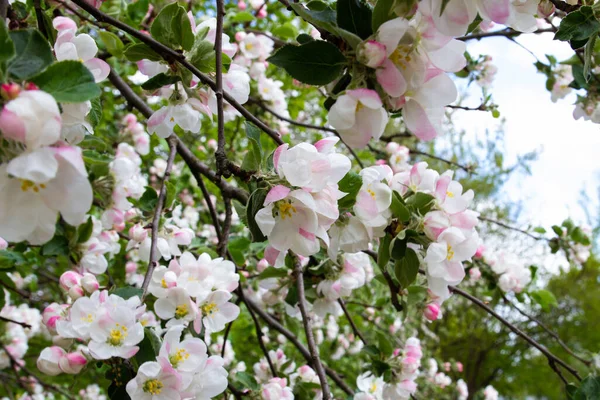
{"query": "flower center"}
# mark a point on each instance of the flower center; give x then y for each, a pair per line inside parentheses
(153, 386)
(401, 56)
(163, 283)
(209, 309)
(372, 193)
(179, 356)
(373, 387)
(88, 318)
(449, 194)
(286, 209)
(117, 335)
(181, 311)
(27, 184)
(450, 253)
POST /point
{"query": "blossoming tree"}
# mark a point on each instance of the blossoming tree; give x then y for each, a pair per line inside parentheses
(219, 200)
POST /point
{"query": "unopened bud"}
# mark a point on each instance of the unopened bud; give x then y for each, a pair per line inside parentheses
(69, 279)
(138, 233)
(10, 91)
(262, 265)
(432, 312)
(372, 53)
(3, 244)
(241, 5)
(89, 283)
(72, 363)
(545, 8)
(31, 86)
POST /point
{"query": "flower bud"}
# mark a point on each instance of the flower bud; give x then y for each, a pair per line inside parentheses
(89, 283)
(262, 13)
(49, 359)
(392, 147)
(3, 244)
(138, 233)
(262, 265)
(72, 363)
(212, 144)
(9, 91)
(242, 6)
(474, 274)
(459, 366)
(31, 86)
(52, 314)
(545, 8)
(131, 267)
(315, 34)
(432, 312)
(372, 53)
(76, 292)
(69, 279)
(184, 236)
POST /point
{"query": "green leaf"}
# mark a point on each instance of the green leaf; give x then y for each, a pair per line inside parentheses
(84, 232)
(580, 237)
(383, 12)
(383, 255)
(171, 194)
(149, 347)
(112, 42)
(247, 380)
(407, 268)
(539, 229)
(33, 54)
(238, 248)
(57, 246)
(255, 203)
(326, 20)
(96, 112)
(172, 27)
(148, 200)
(127, 292)
(304, 38)
(385, 345)
(355, 16)
(202, 56)
(272, 272)
(589, 389)
(253, 159)
(160, 80)
(68, 82)
(9, 259)
(137, 11)
(544, 298)
(7, 47)
(398, 208)
(398, 248)
(588, 54)
(314, 63)
(140, 51)
(243, 16)
(420, 202)
(350, 184)
(578, 25)
(285, 31)
(557, 230)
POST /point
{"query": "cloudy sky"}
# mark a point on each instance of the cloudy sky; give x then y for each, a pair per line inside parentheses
(568, 160)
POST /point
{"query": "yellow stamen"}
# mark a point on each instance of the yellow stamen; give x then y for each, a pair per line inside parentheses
(153, 386)
(449, 194)
(450, 252)
(181, 311)
(163, 283)
(286, 209)
(117, 335)
(208, 309)
(27, 184)
(372, 193)
(179, 356)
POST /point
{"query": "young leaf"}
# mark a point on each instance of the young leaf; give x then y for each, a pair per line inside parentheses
(160, 80)
(398, 208)
(255, 203)
(68, 81)
(355, 16)
(254, 156)
(7, 47)
(84, 231)
(113, 43)
(127, 292)
(544, 298)
(314, 63)
(33, 54)
(407, 268)
(272, 272)
(172, 27)
(139, 51)
(351, 184)
(578, 25)
(382, 12)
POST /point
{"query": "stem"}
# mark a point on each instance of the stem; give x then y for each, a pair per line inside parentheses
(306, 321)
(352, 324)
(153, 262)
(220, 156)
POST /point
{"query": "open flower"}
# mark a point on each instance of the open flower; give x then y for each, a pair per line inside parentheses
(215, 311)
(155, 381)
(177, 307)
(116, 334)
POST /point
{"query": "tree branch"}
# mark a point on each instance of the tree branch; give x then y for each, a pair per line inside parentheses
(12, 321)
(502, 224)
(306, 321)
(153, 262)
(220, 156)
(552, 359)
(508, 32)
(352, 324)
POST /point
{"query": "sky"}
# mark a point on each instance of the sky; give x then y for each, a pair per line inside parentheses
(568, 157)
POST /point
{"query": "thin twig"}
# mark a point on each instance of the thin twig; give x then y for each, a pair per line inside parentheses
(548, 330)
(228, 329)
(388, 278)
(467, 168)
(12, 321)
(293, 338)
(552, 359)
(209, 204)
(307, 322)
(222, 247)
(508, 32)
(512, 228)
(351, 321)
(153, 262)
(220, 155)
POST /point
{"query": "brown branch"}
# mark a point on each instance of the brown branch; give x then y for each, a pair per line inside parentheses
(171, 56)
(552, 359)
(467, 168)
(508, 32)
(564, 6)
(512, 228)
(222, 247)
(153, 262)
(388, 278)
(548, 330)
(293, 338)
(220, 156)
(12, 321)
(307, 322)
(351, 321)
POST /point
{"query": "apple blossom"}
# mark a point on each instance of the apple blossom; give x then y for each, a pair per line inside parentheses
(115, 334)
(155, 381)
(374, 198)
(177, 307)
(48, 361)
(358, 116)
(215, 311)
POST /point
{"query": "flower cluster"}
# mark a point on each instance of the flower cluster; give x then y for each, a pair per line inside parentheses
(195, 291)
(40, 176)
(514, 276)
(15, 337)
(182, 370)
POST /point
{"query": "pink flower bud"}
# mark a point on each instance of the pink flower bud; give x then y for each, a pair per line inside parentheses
(131, 267)
(138, 233)
(262, 265)
(447, 366)
(63, 24)
(242, 6)
(474, 274)
(262, 13)
(131, 213)
(372, 53)
(48, 361)
(432, 312)
(392, 147)
(212, 144)
(239, 36)
(76, 292)
(3, 244)
(52, 314)
(397, 352)
(545, 8)
(129, 119)
(31, 86)
(480, 251)
(10, 91)
(69, 279)
(72, 363)
(89, 283)
(459, 366)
